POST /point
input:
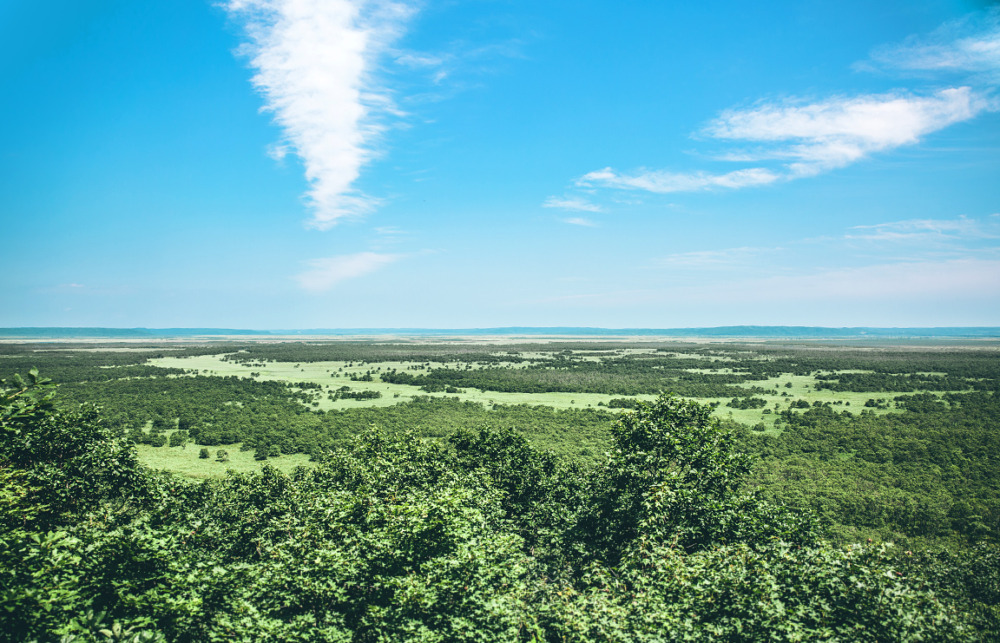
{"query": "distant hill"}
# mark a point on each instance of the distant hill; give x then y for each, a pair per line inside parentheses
(776, 332)
(119, 333)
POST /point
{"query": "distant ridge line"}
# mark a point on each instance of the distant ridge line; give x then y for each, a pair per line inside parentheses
(42, 332)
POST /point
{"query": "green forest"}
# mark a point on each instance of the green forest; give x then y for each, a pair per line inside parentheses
(471, 490)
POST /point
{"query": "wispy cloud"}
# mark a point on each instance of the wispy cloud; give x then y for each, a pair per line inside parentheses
(796, 138)
(927, 230)
(419, 60)
(727, 258)
(580, 222)
(662, 182)
(324, 274)
(434, 76)
(571, 203)
(810, 138)
(970, 45)
(833, 133)
(315, 67)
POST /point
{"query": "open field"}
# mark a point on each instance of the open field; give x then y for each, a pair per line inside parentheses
(333, 375)
(185, 461)
(889, 441)
(263, 391)
(782, 390)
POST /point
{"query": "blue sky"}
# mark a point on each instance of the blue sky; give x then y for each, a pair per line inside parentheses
(327, 163)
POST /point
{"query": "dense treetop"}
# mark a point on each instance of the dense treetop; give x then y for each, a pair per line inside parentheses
(480, 537)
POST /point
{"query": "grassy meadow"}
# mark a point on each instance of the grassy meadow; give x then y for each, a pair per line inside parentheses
(185, 461)
(296, 386)
(332, 375)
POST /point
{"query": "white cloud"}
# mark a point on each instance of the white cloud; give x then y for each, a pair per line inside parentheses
(571, 203)
(716, 259)
(580, 222)
(324, 274)
(971, 45)
(799, 138)
(836, 132)
(419, 60)
(810, 137)
(663, 182)
(314, 63)
(926, 230)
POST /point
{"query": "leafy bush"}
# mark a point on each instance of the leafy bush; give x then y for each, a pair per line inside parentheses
(394, 537)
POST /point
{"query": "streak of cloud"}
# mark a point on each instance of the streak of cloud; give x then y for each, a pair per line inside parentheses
(970, 45)
(810, 137)
(571, 203)
(837, 132)
(724, 259)
(323, 274)
(314, 63)
(924, 230)
(797, 138)
(662, 182)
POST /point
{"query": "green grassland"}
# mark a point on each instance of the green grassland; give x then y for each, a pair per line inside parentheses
(889, 441)
(686, 528)
(185, 461)
(335, 374)
(301, 380)
(332, 375)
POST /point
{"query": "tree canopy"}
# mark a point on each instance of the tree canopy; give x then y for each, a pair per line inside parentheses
(476, 537)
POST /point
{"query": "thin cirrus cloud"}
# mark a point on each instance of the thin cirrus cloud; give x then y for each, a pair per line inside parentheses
(796, 138)
(571, 203)
(314, 63)
(837, 132)
(724, 259)
(962, 229)
(663, 182)
(964, 46)
(323, 274)
(580, 221)
(809, 138)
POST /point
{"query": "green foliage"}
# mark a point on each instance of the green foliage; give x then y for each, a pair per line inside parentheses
(747, 403)
(576, 374)
(623, 403)
(426, 530)
(63, 463)
(676, 478)
(394, 537)
(927, 473)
